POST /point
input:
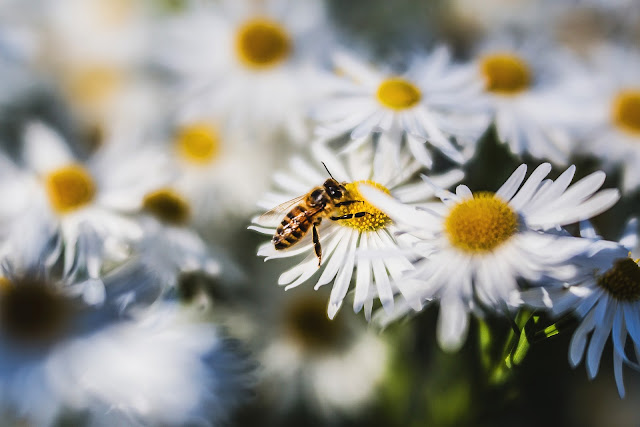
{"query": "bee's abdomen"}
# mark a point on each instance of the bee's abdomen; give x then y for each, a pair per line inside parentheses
(292, 228)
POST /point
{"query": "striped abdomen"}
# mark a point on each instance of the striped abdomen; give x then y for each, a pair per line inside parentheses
(293, 227)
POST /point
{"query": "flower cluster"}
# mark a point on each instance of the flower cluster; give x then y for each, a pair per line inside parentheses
(137, 137)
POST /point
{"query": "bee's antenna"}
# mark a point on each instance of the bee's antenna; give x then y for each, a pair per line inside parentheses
(327, 169)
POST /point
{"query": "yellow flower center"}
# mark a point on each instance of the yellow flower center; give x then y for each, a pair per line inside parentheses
(69, 188)
(168, 206)
(505, 73)
(307, 324)
(626, 111)
(198, 143)
(398, 94)
(373, 218)
(92, 86)
(622, 281)
(262, 43)
(481, 224)
(31, 312)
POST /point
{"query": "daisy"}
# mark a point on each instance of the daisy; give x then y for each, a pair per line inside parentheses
(253, 62)
(333, 367)
(361, 226)
(95, 50)
(158, 368)
(61, 355)
(168, 249)
(89, 202)
(605, 295)
(475, 247)
(611, 112)
(434, 100)
(529, 90)
(220, 174)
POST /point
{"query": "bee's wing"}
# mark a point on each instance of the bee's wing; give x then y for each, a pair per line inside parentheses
(279, 211)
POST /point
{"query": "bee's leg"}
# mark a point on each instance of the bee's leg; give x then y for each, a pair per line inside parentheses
(347, 202)
(349, 216)
(316, 243)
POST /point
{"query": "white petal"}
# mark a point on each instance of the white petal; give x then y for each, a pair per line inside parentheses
(463, 191)
(630, 235)
(343, 280)
(530, 186)
(511, 185)
(335, 260)
(397, 211)
(383, 285)
(599, 338)
(453, 323)
(44, 148)
(363, 275)
(579, 339)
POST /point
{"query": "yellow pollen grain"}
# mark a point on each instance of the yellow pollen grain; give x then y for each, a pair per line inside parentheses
(69, 188)
(622, 281)
(481, 224)
(168, 206)
(262, 43)
(505, 73)
(626, 111)
(398, 94)
(198, 143)
(373, 220)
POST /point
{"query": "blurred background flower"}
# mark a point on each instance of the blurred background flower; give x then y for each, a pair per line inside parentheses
(139, 137)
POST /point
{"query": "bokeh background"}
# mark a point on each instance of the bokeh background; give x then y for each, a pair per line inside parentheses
(310, 370)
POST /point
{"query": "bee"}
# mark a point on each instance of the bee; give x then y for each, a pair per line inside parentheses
(307, 211)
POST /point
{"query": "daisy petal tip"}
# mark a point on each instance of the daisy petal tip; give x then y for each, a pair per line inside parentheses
(333, 309)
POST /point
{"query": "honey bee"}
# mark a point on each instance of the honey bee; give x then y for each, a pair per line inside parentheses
(307, 211)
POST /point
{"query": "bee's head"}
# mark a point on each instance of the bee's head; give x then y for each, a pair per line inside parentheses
(334, 189)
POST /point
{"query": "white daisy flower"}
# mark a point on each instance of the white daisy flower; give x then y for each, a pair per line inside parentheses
(333, 367)
(605, 295)
(530, 92)
(159, 368)
(252, 62)
(89, 202)
(434, 100)
(219, 173)
(167, 249)
(96, 50)
(349, 227)
(476, 246)
(60, 355)
(611, 112)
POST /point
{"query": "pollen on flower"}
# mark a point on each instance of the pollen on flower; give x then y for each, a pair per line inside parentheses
(373, 218)
(199, 143)
(69, 188)
(626, 111)
(481, 224)
(167, 206)
(262, 43)
(398, 94)
(505, 73)
(622, 281)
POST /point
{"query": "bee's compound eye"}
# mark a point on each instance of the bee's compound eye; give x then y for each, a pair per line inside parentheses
(335, 192)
